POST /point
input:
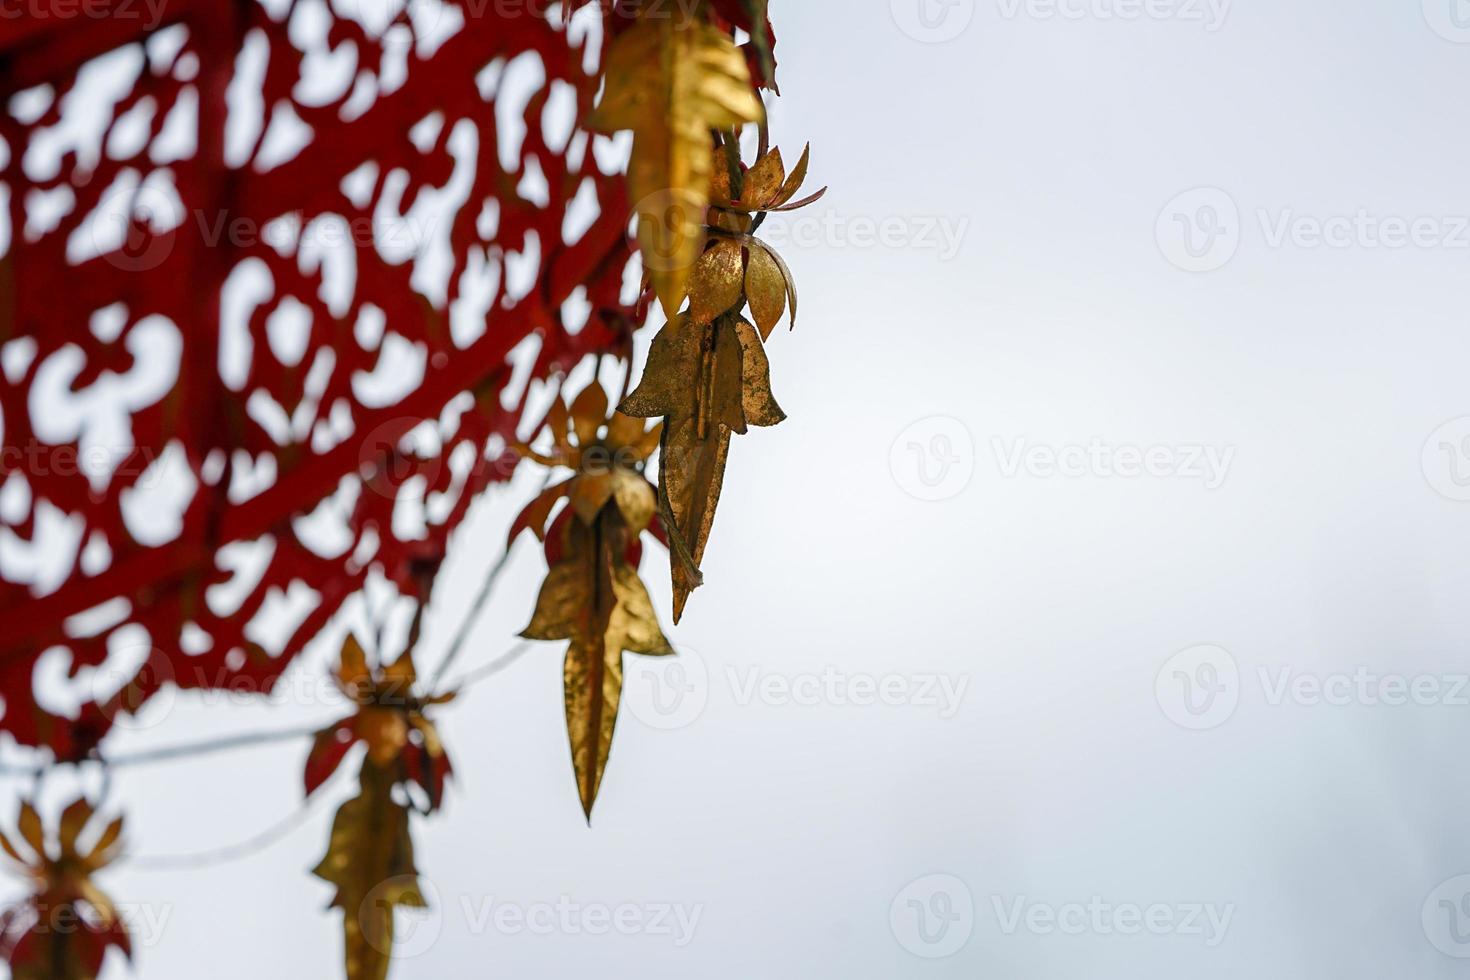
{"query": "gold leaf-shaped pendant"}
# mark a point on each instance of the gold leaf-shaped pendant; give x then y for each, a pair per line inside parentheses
(672, 81)
(707, 381)
(593, 598)
(370, 860)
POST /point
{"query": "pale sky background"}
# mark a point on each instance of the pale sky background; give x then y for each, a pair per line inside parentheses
(1299, 521)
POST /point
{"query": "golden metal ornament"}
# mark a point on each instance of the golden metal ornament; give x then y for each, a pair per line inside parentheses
(595, 599)
(672, 81)
(63, 931)
(607, 455)
(370, 860)
(391, 720)
(707, 381)
(592, 595)
(738, 267)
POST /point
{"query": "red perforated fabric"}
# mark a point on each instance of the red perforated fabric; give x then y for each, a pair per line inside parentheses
(264, 266)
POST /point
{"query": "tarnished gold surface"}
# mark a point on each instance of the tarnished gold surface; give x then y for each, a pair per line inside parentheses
(671, 83)
(370, 860)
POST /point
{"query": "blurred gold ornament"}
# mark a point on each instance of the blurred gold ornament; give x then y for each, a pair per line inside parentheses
(370, 860)
(63, 931)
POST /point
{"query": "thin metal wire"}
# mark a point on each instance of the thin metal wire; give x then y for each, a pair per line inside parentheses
(243, 740)
(478, 606)
(191, 750)
(249, 847)
(281, 829)
(494, 667)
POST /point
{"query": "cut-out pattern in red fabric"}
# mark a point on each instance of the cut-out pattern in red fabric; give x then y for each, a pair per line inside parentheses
(276, 277)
